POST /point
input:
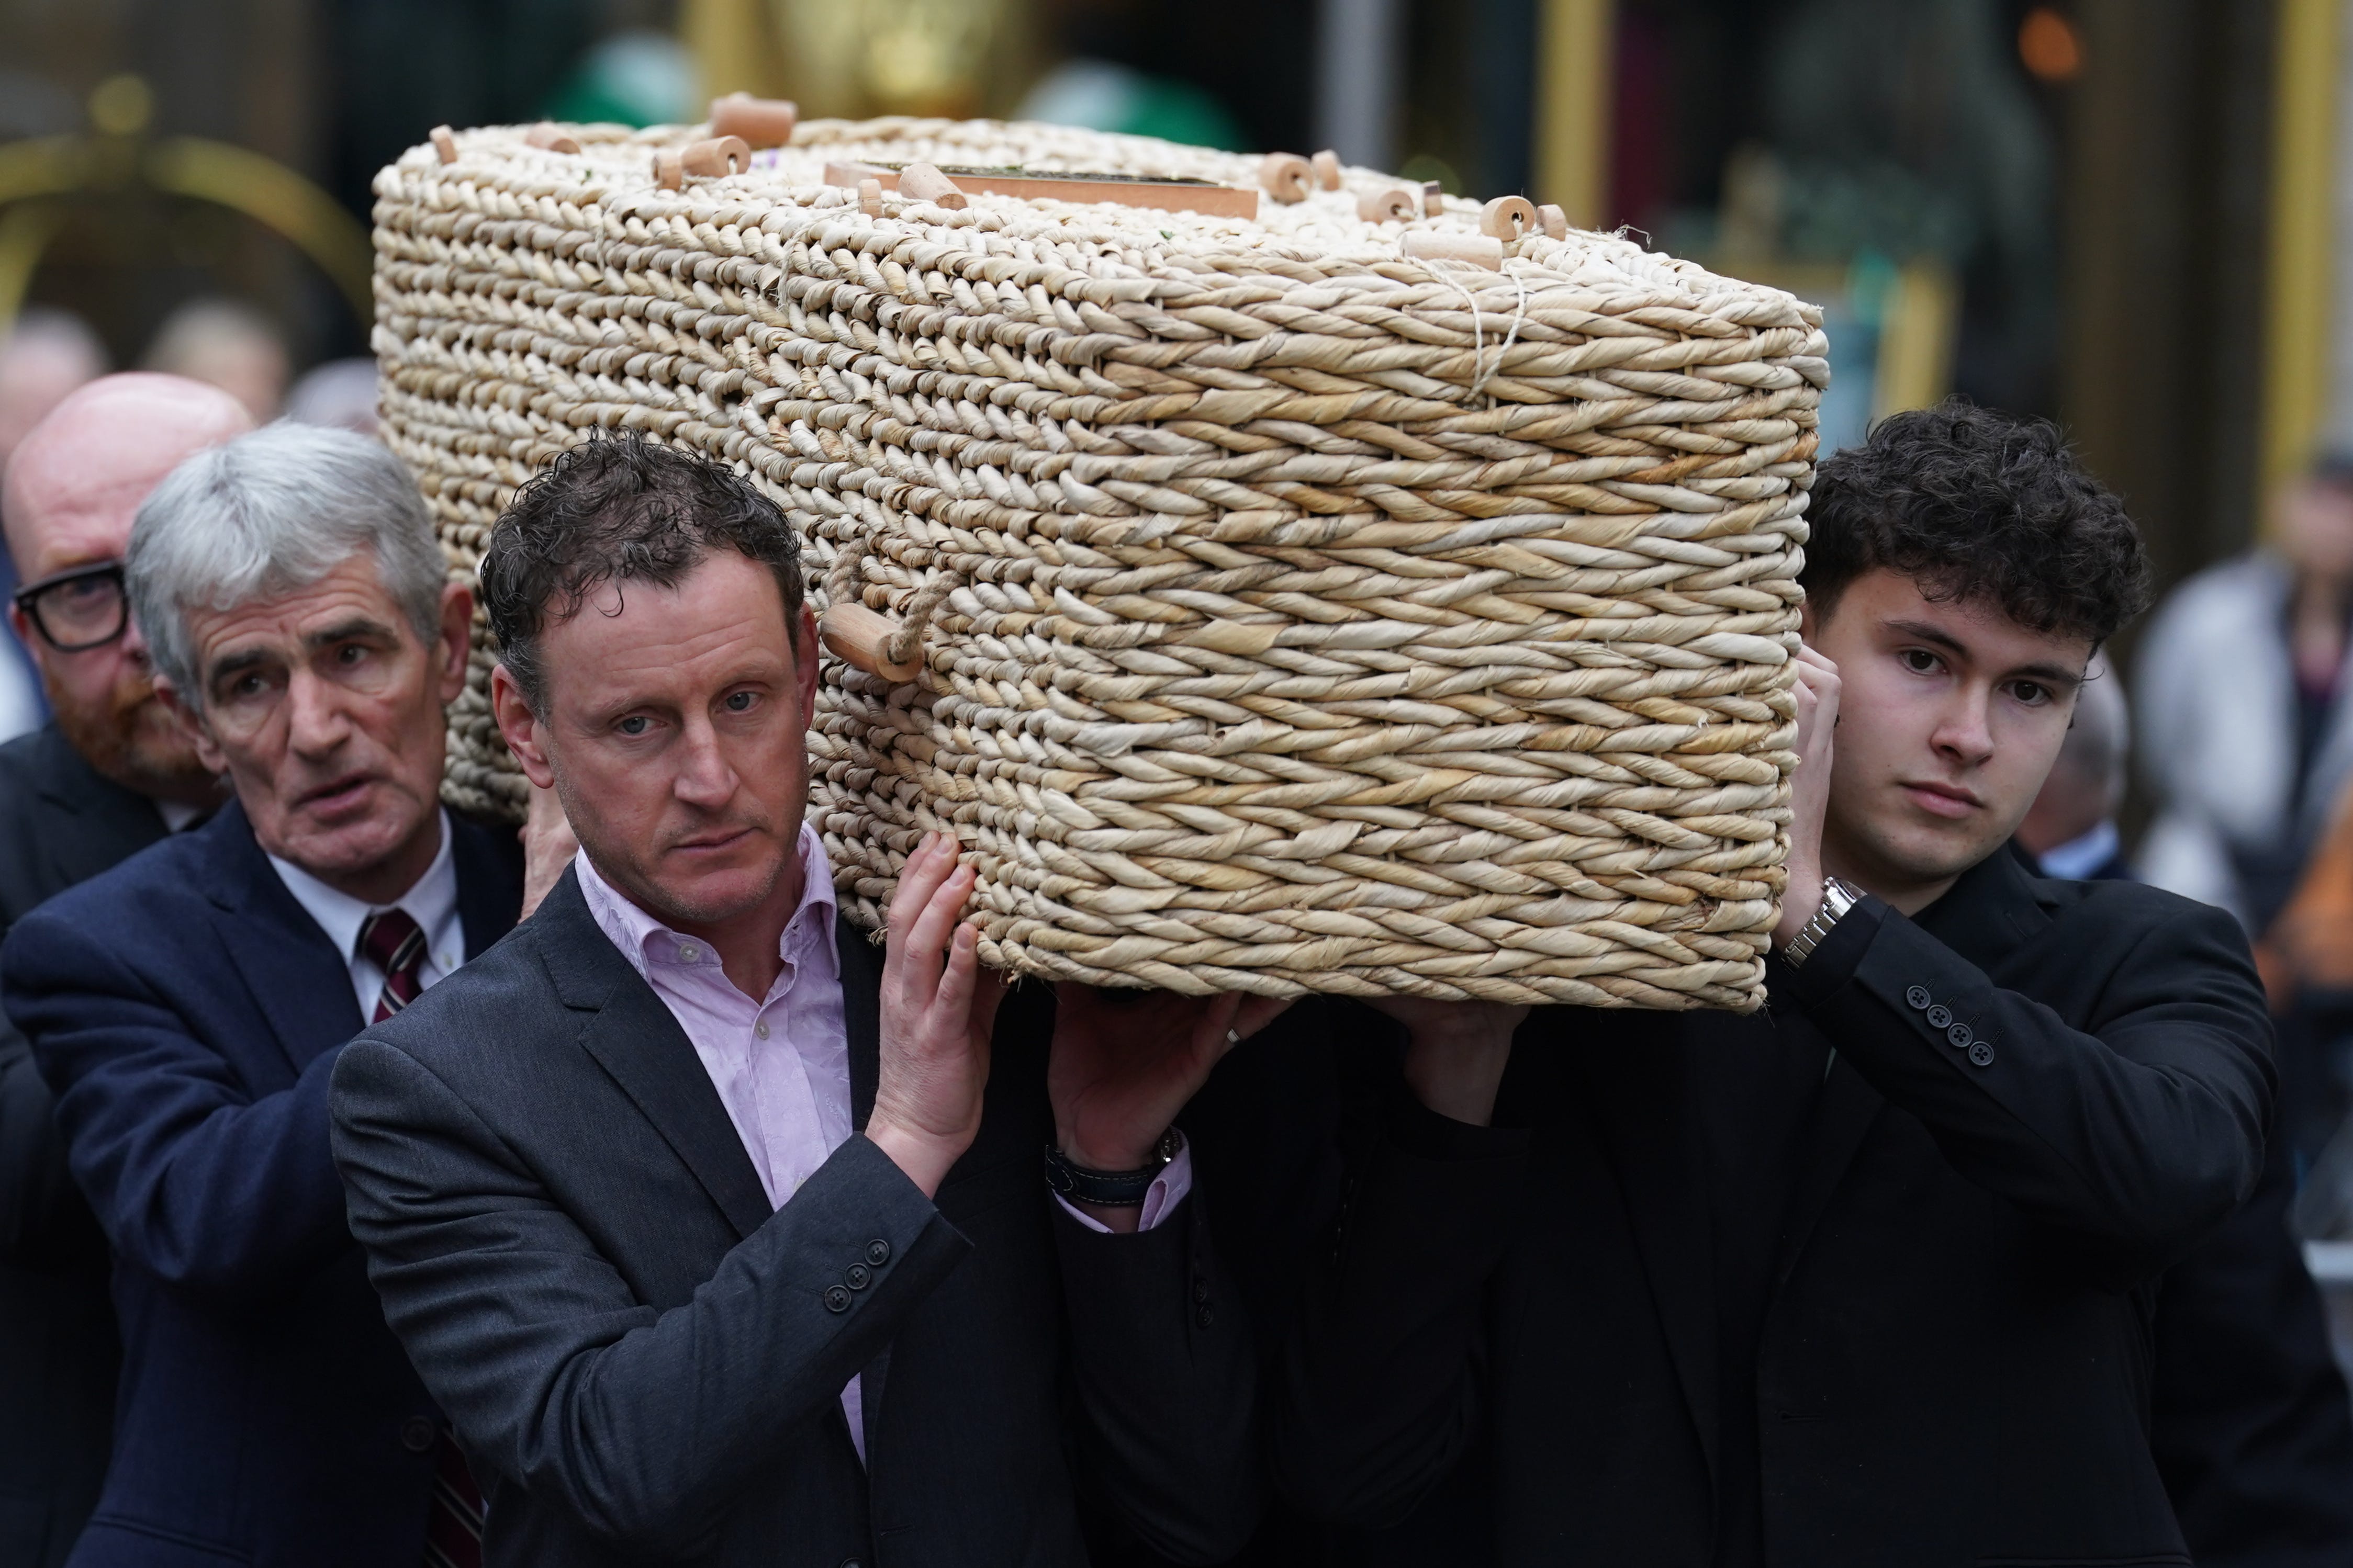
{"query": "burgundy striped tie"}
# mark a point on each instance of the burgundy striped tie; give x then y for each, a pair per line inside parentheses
(453, 1526)
(395, 943)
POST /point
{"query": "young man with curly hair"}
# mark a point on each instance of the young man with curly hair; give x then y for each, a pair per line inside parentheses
(1866, 1278)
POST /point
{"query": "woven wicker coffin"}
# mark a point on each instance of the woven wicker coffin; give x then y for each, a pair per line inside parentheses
(1293, 615)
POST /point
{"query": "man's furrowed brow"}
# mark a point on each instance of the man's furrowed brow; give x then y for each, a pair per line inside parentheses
(237, 663)
(611, 704)
(351, 629)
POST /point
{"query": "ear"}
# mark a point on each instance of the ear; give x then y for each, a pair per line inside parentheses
(28, 636)
(192, 722)
(521, 727)
(805, 663)
(456, 639)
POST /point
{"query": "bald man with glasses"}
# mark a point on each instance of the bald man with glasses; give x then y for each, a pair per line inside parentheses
(67, 499)
(111, 773)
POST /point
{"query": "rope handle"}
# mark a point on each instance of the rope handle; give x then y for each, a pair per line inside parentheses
(868, 640)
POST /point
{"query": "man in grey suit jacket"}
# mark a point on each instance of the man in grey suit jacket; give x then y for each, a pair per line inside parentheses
(720, 1240)
(108, 776)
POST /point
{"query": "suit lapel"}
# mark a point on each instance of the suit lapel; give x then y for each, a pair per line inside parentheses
(1842, 1117)
(632, 1036)
(1983, 917)
(861, 1014)
(1994, 907)
(302, 985)
(862, 1018)
(1636, 1098)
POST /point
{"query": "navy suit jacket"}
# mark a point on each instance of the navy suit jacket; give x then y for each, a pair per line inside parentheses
(61, 822)
(188, 1013)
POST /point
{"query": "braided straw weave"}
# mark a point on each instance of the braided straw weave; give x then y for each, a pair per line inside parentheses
(1295, 616)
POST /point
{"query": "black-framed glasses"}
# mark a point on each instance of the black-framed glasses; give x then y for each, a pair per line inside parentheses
(79, 609)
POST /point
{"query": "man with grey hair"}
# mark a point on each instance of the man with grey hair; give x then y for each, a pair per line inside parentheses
(187, 1008)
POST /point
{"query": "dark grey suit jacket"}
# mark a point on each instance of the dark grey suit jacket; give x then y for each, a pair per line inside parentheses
(644, 1361)
(60, 822)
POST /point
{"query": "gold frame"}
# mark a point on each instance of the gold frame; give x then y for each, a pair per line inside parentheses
(38, 176)
(1575, 42)
(2300, 266)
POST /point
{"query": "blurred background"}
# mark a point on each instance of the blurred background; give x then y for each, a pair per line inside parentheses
(2129, 215)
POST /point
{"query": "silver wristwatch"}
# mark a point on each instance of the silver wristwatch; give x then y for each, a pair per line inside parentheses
(1837, 898)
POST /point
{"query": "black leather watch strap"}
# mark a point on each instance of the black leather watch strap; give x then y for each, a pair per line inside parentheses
(1112, 1189)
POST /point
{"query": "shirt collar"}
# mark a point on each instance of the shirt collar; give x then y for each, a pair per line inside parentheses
(2076, 861)
(430, 901)
(645, 941)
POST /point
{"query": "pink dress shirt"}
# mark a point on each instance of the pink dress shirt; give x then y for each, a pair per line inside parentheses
(781, 1064)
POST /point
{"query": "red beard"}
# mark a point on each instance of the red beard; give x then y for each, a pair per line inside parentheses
(135, 742)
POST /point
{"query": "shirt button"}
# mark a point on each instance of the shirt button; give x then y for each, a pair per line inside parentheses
(1917, 999)
(688, 952)
(1939, 1016)
(1981, 1055)
(761, 1028)
(1960, 1035)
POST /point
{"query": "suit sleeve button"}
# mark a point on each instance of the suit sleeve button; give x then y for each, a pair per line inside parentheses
(836, 1300)
(878, 1253)
(1939, 1016)
(1960, 1035)
(857, 1276)
(1200, 1289)
(1204, 1315)
(1981, 1055)
(1917, 999)
(416, 1434)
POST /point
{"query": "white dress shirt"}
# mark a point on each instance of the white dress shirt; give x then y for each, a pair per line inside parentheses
(780, 1063)
(432, 903)
(2080, 857)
